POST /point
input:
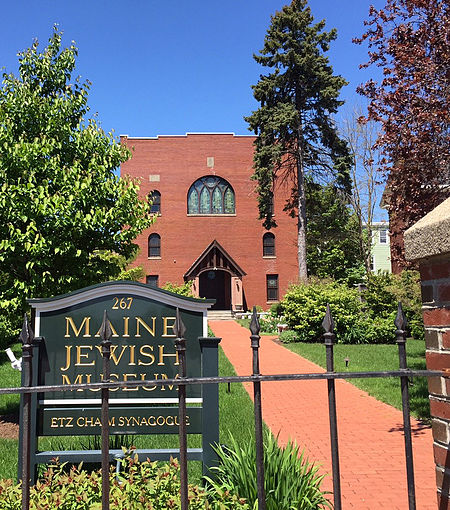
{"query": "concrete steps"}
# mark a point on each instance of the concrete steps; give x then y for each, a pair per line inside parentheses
(220, 315)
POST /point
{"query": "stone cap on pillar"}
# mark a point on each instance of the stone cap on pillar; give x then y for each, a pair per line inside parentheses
(430, 236)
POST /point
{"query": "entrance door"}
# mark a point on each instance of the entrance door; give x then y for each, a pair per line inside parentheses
(216, 285)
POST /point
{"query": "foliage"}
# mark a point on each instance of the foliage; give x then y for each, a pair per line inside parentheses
(290, 481)
(304, 307)
(288, 336)
(296, 135)
(61, 204)
(183, 290)
(385, 290)
(408, 40)
(332, 234)
(140, 485)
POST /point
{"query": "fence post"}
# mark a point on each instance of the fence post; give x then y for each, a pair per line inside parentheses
(27, 337)
(180, 345)
(329, 337)
(105, 335)
(255, 338)
(401, 325)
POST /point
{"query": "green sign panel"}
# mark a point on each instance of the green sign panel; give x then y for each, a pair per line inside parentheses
(122, 420)
(142, 349)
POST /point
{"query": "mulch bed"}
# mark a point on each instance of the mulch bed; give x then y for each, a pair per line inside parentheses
(9, 426)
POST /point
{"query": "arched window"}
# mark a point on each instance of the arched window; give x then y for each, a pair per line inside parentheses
(154, 245)
(211, 195)
(268, 245)
(155, 198)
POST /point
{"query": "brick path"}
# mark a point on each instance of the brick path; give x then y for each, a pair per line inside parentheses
(371, 444)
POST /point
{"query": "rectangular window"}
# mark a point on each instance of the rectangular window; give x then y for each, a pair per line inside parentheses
(152, 280)
(272, 287)
(383, 236)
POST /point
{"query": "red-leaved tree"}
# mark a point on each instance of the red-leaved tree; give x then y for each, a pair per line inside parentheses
(410, 41)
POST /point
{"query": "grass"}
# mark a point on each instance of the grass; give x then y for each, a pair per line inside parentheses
(377, 358)
(235, 408)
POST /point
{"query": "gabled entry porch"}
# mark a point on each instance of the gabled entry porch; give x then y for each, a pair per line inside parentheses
(216, 275)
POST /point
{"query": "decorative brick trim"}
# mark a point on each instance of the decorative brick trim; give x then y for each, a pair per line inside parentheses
(436, 316)
(440, 408)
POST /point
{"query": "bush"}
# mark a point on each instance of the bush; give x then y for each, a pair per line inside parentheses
(269, 323)
(140, 486)
(183, 290)
(290, 481)
(385, 290)
(304, 307)
(288, 336)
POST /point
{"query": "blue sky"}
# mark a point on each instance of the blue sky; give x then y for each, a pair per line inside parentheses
(175, 66)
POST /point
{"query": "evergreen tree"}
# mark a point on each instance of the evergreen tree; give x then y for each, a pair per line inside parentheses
(296, 136)
(62, 208)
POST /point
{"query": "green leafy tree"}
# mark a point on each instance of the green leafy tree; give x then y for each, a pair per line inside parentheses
(332, 236)
(296, 136)
(61, 204)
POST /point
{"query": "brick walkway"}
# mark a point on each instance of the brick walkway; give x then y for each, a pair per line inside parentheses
(371, 445)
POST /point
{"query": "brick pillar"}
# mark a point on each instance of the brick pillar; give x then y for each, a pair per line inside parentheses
(428, 244)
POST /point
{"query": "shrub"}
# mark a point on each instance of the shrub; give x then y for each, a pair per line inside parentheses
(139, 486)
(269, 323)
(183, 290)
(288, 336)
(290, 481)
(385, 290)
(304, 307)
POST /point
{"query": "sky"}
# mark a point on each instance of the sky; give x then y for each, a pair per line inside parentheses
(175, 66)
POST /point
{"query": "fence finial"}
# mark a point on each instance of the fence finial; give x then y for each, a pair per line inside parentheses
(179, 327)
(27, 334)
(328, 323)
(254, 324)
(105, 328)
(400, 322)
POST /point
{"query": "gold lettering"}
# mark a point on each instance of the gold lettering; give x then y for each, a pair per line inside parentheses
(160, 421)
(146, 355)
(113, 356)
(132, 354)
(53, 423)
(78, 380)
(146, 388)
(151, 421)
(80, 421)
(167, 326)
(126, 321)
(126, 377)
(68, 349)
(85, 323)
(80, 355)
(170, 423)
(145, 325)
(161, 356)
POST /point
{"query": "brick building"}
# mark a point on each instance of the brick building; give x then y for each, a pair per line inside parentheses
(207, 230)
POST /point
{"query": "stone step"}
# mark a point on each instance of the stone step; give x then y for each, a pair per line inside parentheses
(220, 315)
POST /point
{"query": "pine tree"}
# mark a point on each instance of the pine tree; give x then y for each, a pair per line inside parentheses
(296, 136)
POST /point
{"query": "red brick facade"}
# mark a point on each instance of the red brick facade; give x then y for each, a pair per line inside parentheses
(170, 165)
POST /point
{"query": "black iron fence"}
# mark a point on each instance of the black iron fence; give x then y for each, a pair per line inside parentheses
(256, 378)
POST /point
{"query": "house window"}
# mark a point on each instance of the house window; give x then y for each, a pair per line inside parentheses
(383, 236)
(268, 245)
(211, 195)
(154, 245)
(152, 280)
(155, 198)
(272, 287)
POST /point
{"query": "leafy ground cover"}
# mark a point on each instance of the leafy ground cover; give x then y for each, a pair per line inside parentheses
(373, 358)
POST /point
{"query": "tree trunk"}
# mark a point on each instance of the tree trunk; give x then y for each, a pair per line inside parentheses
(301, 218)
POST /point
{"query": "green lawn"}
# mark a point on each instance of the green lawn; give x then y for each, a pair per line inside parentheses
(377, 358)
(235, 407)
